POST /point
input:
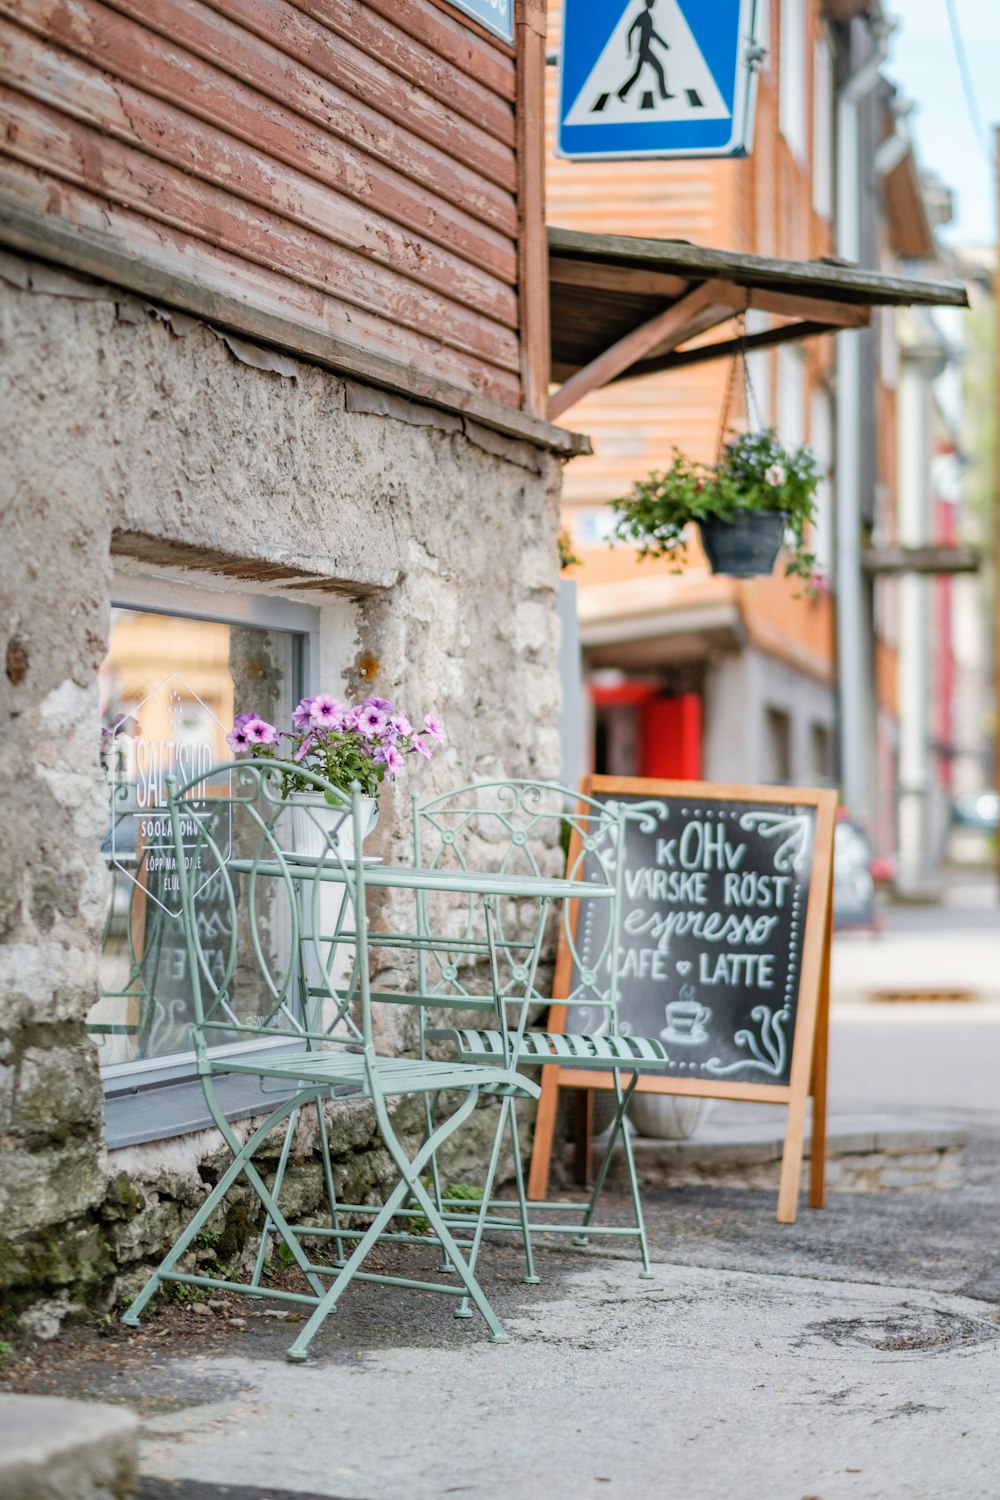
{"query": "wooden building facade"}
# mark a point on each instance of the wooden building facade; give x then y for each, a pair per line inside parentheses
(360, 180)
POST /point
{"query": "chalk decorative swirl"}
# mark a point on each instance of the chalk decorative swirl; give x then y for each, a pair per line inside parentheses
(768, 1047)
(648, 815)
(793, 829)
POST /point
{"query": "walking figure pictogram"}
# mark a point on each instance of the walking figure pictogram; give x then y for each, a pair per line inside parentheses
(648, 34)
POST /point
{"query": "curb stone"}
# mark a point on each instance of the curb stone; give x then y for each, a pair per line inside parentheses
(54, 1449)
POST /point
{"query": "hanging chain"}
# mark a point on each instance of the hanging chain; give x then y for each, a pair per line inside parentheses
(751, 408)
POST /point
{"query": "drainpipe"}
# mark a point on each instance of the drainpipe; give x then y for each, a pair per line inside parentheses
(854, 671)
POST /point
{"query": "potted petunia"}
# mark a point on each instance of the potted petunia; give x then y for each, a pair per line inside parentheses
(366, 742)
(758, 494)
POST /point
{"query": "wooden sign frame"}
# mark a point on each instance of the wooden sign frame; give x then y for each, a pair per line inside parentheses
(808, 1073)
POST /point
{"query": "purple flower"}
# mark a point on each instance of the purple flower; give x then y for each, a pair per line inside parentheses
(350, 719)
(435, 728)
(390, 757)
(382, 703)
(304, 748)
(371, 720)
(238, 740)
(301, 717)
(401, 724)
(259, 732)
(421, 747)
(326, 712)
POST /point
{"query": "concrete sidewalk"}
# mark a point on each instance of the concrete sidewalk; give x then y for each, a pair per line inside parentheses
(854, 1355)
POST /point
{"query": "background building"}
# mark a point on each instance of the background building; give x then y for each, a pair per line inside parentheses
(693, 675)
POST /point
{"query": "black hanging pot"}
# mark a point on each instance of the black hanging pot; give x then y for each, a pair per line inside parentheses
(745, 546)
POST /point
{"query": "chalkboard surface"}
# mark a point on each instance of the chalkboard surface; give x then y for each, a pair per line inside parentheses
(712, 929)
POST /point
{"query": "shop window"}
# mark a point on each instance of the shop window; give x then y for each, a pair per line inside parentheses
(778, 746)
(180, 665)
(821, 753)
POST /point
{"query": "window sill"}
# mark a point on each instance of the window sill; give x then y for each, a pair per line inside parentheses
(138, 1116)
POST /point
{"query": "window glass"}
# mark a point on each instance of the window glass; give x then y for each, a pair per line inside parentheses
(170, 688)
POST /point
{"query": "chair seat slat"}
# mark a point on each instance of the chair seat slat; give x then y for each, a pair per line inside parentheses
(568, 1049)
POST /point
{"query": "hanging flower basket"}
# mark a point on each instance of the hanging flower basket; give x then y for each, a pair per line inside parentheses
(746, 546)
(758, 489)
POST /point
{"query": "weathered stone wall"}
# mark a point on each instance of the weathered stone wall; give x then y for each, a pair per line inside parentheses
(132, 435)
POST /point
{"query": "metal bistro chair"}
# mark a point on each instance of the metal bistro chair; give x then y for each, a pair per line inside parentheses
(259, 983)
(527, 825)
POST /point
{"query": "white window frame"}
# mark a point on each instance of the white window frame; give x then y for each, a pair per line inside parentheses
(823, 125)
(167, 596)
(792, 90)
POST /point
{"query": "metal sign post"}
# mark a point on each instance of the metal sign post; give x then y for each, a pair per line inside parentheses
(657, 78)
(496, 15)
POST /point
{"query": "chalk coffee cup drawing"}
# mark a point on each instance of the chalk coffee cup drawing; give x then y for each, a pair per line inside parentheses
(686, 1020)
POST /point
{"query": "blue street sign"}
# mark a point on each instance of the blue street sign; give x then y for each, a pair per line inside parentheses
(657, 78)
(496, 15)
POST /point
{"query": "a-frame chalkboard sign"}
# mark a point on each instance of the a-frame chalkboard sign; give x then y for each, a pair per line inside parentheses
(724, 956)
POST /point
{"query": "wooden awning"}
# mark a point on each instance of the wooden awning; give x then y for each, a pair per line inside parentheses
(623, 307)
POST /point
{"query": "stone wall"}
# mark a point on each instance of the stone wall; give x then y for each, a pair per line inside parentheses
(140, 438)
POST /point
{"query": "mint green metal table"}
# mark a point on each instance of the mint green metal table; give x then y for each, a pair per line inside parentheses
(485, 891)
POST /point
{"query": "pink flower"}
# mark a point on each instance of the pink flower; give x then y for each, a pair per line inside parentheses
(401, 724)
(238, 740)
(371, 721)
(390, 757)
(435, 728)
(259, 732)
(327, 713)
(302, 716)
(421, 747)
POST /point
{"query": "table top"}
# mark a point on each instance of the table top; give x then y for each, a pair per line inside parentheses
(414, 878)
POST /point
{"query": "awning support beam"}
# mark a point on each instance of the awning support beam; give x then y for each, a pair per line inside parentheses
(701, 309)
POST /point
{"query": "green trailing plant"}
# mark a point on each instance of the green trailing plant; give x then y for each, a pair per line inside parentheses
(567, 557)
(756, 472)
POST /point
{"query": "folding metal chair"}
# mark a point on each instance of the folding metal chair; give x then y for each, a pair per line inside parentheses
(271, 979)
(537, 826)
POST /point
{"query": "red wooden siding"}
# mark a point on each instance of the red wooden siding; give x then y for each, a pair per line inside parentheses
(347, 165)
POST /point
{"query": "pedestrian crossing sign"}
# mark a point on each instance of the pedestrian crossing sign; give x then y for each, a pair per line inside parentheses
(657, 78)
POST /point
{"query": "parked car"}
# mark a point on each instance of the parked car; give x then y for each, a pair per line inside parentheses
(856, 873)
(979, 811)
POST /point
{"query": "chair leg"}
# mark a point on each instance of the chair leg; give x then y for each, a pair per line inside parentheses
(529, 1276)
(409, 1184)
(647, 1273)
(331, 1190)
(279, 1177)
(240, 1165)
(619, 1127)
(463, 1310)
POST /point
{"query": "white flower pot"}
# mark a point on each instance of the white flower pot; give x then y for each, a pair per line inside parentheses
(311, 825)
(311, 822)
(668, 1117)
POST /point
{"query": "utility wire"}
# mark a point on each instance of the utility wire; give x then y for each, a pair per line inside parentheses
(982, 135)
